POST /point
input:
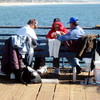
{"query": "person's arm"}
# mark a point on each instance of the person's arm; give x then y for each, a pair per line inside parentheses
(62, 33)
(63, 37)
(31, 33)
(65, 30)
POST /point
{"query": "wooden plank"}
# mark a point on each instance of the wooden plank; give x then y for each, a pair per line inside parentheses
(61, 92)
(77, 92)
(92, 93)
(4, 90)
(1, 86)
(31, 91)
(46, 92)
(15, 92)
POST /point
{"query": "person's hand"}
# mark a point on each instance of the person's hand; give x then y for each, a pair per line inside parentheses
(58, 33)
(62, 33)
(54, 34)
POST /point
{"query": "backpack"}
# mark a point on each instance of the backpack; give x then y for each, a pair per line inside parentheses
(28, 75)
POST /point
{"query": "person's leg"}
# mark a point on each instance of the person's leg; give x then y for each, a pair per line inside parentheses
(56, 65)
(74, 62)
(37, 63)
(56, 62)
(42, 60)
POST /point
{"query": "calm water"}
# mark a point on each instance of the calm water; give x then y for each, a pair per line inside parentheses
(89, 15)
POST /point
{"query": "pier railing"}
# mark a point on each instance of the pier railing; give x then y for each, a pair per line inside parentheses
(96, 27)
(4, 37)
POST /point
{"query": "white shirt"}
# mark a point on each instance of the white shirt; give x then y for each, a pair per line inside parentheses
(27, 31)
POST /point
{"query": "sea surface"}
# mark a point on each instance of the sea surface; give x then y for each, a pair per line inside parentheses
(88, 15)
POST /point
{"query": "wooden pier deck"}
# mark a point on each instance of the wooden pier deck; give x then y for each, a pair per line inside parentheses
(64, 90)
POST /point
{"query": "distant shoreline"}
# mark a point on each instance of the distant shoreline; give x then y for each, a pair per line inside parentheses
(47, 3)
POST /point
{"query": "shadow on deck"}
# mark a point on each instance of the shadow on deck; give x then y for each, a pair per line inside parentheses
(64, 78)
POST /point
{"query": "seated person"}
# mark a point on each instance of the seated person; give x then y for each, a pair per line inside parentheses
(39, 64)
(75, 33)
(57, 28)
(15, 60)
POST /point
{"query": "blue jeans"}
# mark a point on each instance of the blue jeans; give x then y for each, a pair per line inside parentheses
(73, 61)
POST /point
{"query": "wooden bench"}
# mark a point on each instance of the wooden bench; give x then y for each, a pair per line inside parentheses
(42, 50)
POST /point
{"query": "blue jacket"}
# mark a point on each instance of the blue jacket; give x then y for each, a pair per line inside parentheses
(74, 34)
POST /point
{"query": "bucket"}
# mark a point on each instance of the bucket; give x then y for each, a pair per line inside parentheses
(97, 71)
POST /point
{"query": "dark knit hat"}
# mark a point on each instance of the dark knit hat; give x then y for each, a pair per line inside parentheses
(56, 20)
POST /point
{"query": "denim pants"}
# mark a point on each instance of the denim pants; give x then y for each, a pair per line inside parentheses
(73, 61)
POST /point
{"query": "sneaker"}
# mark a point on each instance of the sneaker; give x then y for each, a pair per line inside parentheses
(57, 71)
(12, 76)
(42, 70)
(2, 73)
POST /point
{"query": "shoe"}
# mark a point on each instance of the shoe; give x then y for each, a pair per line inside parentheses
(12, 76)
(42, 70)
(70, 70)
(2, 73)
(57, 71)
(79, 70)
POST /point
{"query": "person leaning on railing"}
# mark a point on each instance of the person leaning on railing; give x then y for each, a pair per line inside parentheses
(71, 41)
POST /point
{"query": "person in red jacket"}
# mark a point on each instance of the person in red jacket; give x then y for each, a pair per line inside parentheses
(57, 27)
